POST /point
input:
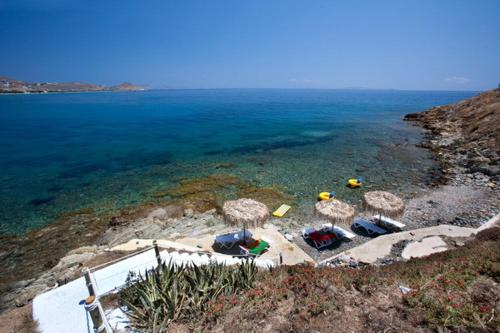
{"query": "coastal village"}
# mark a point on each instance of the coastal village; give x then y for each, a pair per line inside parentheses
(306, 273)
(13, 86)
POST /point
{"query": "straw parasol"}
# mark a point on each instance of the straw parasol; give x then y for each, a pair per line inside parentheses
(245, 212)
(383, 203)
(335, 211)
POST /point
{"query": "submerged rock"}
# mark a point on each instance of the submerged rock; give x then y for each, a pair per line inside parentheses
(271, 197)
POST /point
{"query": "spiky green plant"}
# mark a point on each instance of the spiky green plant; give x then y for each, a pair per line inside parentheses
(171, 292)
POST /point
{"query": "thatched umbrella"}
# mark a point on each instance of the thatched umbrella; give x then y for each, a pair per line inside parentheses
(381, 202)
(245, 212)
(335, 211)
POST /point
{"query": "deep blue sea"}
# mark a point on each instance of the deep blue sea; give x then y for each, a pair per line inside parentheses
(63, 152)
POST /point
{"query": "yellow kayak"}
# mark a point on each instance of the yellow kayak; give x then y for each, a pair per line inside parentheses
(354, 182)
(326, 195)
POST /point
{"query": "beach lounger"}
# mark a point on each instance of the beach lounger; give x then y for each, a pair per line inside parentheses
(388, 223)
(342, 233)
(229, 240)
(338, 231)
(370, 228)
(281, 211)
(307, 231)
(319, 239)
(255, 249)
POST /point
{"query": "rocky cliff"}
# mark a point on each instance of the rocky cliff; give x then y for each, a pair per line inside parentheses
(465, 138)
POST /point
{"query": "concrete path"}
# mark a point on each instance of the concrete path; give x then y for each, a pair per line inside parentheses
(491, 223)
(137, 244)
(381, 246)
(58, 310)
(424, 247)
(291, 253)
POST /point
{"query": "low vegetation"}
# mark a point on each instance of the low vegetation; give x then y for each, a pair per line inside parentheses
(452, 291)
(457, 290)
(181, 293)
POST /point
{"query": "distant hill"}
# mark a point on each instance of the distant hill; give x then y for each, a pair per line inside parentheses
(8, 85)
(127, 86)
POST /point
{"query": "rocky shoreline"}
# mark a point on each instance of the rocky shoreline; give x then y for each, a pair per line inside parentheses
(465, 139)
(467, 196)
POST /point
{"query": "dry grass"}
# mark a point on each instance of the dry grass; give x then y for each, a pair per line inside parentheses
(18, 320)
(456, 291)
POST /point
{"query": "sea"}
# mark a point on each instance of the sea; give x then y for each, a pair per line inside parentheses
(105, 151)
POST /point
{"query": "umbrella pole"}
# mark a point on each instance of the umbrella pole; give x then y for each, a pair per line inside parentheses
(244, 233)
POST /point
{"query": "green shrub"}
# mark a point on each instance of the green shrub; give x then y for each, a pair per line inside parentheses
(179, 292)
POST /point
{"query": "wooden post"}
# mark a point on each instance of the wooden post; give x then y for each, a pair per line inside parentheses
(281, 259)
(90, 303)
(157, 252)
(88, 281)
(93, 309)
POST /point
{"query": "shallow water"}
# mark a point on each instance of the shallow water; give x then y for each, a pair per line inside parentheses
(64, 152)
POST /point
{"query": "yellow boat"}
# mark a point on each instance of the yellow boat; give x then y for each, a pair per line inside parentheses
(326, 195)
(353, 182)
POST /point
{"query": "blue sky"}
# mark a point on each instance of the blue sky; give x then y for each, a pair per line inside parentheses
(421, 44)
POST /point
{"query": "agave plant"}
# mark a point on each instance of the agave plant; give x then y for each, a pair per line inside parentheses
(171, 292)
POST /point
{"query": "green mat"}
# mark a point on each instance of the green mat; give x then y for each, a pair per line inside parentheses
(263, 245)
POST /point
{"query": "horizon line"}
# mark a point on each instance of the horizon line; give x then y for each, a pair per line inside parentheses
(316, 88)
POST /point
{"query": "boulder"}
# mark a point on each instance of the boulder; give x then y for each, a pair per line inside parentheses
(174, 211)
(188, 212)
(158, 214)
(73, 260)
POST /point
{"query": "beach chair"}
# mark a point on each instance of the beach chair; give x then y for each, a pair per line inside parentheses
(319, 239)
(342, 233)
(229, 240)
(339, 232)
(254, 249)
(371, 229)
(307, 231)
(388, 223)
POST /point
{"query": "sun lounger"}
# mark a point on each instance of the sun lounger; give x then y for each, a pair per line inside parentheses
(307, 231)
(256, 249)
(388, 223)
(319, 239)
(281, 211)
(370, 228)
(338, 231)
(342, 233)
(227, 241)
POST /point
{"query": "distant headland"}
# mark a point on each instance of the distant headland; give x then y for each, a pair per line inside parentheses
(12, 86)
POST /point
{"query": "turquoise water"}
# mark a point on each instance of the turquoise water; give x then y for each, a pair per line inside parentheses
(63, 152)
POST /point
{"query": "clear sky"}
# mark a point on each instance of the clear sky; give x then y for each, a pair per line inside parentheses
(413, 44)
